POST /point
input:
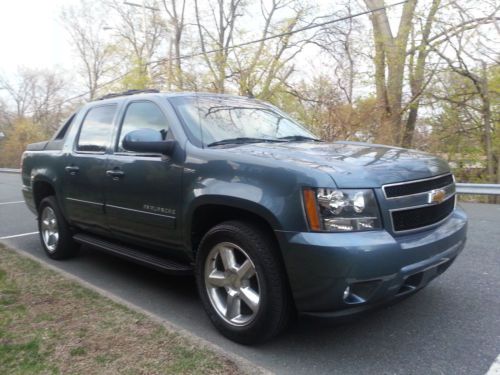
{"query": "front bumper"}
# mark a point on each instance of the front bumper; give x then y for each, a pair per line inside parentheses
(379, 267)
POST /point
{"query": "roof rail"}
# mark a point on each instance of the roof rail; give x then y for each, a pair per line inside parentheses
(129, 92)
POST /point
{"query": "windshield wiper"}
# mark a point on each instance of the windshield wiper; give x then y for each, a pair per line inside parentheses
(293, 138)
(242, 140)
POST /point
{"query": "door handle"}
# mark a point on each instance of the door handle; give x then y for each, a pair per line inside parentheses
(72, 169)
(116, 174)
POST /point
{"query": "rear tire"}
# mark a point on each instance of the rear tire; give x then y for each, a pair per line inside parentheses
(55, 234)
(242, 282)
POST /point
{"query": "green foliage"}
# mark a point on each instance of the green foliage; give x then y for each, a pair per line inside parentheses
(137, 78)
(21, 133)
(494, 89)
(458, 129)
(320, 107)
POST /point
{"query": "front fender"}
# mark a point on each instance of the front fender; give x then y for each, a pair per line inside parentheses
(230, 201)
(280, 204)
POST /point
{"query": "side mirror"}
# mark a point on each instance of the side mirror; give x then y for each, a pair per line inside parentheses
(148, 140)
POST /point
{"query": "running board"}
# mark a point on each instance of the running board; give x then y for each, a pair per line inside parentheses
(143, 258)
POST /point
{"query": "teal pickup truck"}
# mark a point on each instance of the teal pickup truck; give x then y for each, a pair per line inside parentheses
(270, 219)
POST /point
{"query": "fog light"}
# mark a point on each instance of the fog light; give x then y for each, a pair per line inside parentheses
(347, 291)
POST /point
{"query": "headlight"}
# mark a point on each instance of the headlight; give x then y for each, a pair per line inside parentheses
(345, 210)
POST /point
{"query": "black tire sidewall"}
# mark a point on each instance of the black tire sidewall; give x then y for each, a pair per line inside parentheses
(66, 247)
(273, 292)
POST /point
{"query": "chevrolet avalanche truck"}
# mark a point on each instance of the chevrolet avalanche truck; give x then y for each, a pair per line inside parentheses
(270, 219)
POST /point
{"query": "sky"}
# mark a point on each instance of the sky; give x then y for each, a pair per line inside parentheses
(31, 35)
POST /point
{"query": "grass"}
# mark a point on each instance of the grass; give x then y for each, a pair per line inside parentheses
(51, 325)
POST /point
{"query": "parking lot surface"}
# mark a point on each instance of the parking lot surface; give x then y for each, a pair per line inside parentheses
(450, 327)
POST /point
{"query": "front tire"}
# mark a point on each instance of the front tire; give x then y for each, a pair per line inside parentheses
(55, 234)
(242, 283)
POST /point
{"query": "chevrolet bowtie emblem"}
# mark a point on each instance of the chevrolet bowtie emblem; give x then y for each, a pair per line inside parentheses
(436, 196)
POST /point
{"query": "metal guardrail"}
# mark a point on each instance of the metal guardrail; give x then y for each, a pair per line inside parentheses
(10, 170)
(462, 188)
(480, 189)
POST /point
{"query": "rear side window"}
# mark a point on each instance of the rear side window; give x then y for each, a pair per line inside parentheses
(61, 133)
(96, 129)
(142, 115)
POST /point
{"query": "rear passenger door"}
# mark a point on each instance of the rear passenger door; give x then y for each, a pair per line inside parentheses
(143, 190)
(85, 169)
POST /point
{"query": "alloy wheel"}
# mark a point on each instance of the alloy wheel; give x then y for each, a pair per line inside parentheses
(232, 284)
(49, 228)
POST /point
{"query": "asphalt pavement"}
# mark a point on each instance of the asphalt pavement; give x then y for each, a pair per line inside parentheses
(450, 327)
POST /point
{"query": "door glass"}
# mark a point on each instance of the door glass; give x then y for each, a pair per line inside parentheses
(96, 129)
(142, 115)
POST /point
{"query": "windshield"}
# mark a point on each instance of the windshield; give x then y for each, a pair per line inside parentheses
(218, 120)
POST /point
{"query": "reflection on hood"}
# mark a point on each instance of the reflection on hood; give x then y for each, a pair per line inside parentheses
(352, 164)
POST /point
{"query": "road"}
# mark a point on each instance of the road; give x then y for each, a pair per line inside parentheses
(450, 327)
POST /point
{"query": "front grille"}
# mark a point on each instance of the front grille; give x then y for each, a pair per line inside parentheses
(408, 188)
(414, 218)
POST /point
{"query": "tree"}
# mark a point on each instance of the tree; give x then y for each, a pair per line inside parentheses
(394, 54)
(85, 23)
(262, 69)
(175, 10)
(321, 105)
(389, 61)
(36, 94)
(5, 118)
(481, 90)
(22, 132)
(340, 43)
(217, 32)
(21, 90)
(139, 33)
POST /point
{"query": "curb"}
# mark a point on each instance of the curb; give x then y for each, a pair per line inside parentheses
(9, 170)
(244, 365)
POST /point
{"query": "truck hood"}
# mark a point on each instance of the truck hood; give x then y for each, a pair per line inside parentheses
(352, 164)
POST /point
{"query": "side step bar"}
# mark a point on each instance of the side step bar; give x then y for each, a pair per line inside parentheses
(143, 258)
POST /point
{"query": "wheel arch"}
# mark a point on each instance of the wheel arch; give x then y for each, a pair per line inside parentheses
(42, 188)
(210, 211)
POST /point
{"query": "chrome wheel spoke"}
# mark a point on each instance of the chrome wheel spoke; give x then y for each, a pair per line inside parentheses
(227, 257)
(232, 284)
(246, 270)
(250, 298)
(49, 228)
(217, 279)
(233, 308)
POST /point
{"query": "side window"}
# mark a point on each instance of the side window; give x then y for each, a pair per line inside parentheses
(96, 129)
(141, 115)
(61, 132)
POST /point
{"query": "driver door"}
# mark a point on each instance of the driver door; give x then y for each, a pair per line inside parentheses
(143, 190)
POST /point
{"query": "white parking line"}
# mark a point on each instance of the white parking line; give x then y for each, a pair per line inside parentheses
(495, 367)
(18, 235)
(11, 202)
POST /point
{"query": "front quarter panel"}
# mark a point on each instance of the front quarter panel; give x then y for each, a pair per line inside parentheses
(266, 188)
